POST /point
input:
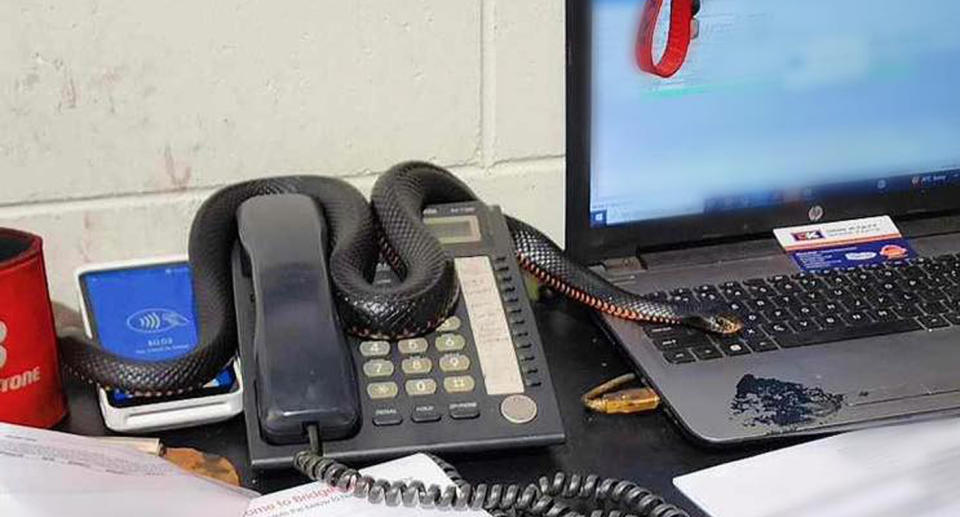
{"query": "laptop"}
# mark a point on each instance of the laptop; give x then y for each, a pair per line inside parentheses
(779, 114)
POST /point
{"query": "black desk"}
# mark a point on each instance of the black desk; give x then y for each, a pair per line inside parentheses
(647, 449)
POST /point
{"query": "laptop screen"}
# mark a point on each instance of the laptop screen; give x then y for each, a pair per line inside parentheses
(776, 102)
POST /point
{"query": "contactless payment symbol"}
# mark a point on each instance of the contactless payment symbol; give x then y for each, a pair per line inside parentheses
(152, 321)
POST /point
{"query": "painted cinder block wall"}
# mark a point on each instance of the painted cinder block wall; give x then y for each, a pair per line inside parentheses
(118, 117)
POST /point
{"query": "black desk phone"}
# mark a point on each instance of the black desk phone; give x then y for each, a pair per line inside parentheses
(479, 382)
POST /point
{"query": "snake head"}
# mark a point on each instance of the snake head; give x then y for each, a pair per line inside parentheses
(718, 323)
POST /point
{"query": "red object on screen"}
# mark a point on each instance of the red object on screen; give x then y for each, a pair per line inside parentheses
(678, 37)
(30, 389)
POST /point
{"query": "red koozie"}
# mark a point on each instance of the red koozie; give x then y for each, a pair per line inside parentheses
(30, 390)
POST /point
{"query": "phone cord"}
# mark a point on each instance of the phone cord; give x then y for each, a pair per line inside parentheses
(540, 499)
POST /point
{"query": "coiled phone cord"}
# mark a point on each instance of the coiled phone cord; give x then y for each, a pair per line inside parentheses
(540, 499)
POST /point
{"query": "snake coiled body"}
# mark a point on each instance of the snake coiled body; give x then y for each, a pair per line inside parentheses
(360, 234)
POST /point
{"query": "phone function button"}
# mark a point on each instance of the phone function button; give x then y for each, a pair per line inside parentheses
(450, 342)
(387, 416)
(454, 363)
(374, 348)
(518, 409)
(416, 365)
(428, 413)
(459, 384)
(450, 324)
(417, 345)
(382, 390)
(378, 368)
(420, 387)
(464, 410)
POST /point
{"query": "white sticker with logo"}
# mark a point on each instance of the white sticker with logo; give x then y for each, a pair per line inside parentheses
(844, 243)
(840, 233)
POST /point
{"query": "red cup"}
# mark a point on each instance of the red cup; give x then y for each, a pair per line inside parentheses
(30, 389)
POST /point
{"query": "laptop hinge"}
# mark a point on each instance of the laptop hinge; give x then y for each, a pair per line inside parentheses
(710, 254)
(622, 265)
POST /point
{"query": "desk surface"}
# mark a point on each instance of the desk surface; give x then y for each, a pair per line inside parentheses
(647, 449)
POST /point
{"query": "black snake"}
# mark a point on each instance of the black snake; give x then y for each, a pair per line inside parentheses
(391, 226)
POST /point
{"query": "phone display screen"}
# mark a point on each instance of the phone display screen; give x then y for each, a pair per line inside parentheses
(454, 229)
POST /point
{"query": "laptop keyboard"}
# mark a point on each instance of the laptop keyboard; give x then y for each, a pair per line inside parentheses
(816, 308)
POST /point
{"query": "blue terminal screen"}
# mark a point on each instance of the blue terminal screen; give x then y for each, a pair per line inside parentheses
(143, 313)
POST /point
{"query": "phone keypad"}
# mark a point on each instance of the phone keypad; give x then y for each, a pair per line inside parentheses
(454, 363)
(426, 413)
(451, 324)
(416, 345)
(450, 343)
(439, 376)
(378, 368)
(382, 390)
(374, 348)
(386, 417)
(420, 387)
(417, 365)
(459, 384)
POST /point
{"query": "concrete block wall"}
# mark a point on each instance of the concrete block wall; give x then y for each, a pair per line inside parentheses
(118, 117)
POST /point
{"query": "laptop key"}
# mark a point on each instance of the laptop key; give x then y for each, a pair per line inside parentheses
(831, 322)
(907, 311)
(932, 295)
(777, 329)
(805, 325)
(884, 315)
(752, 333)
(883, 300)
(760, 290)
(786, 300)
(934, 321)
(762, 304)
(735, 349)
(832, 335)
(706, 352)
(667, 331)
(953, 318)
(856, 304)
(680, 341)
(737, 307)
(761, 345)
(934, 308)
(679, 356)
(776, 315)
(857, 318)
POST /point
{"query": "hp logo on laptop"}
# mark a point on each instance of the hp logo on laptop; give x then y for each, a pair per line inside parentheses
(815, 213)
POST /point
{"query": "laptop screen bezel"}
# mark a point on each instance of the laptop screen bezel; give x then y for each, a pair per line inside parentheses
(592, 245)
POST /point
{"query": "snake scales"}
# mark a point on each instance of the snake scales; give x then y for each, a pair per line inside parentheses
(361, 233)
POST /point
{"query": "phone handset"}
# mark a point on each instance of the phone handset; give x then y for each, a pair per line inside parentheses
(304, 371)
